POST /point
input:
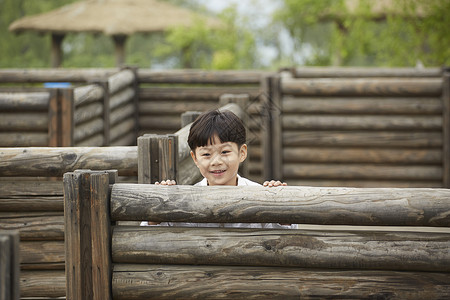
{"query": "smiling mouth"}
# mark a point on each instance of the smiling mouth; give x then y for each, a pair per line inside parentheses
(217, 172)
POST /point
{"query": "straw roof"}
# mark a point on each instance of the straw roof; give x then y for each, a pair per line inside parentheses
(111, 17)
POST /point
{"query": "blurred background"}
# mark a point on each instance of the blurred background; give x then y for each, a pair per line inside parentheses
(254, 34)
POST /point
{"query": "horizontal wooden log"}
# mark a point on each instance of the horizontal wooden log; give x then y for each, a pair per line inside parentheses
(124, 140)
(361, 171)
(364, 183)
(24, 101)
(88, 129)
(369, 250)
(30, 188)
(25, 139)
(120, 80)
(32, 203)
(358, 72)
(363, 139)
(96, 140)
(361, 155)
(126, 127)
(137, 282)
(59, 160)
(88, 112)
(351, 122)
(54, 75)
(194, 93)
(24, 121)
(34, 225)
(42, 255)
(286, 205)
(42, 284)
(362, 87)
(120, 98)
(119, 114)
(368, 105)
(157, 122)
(201, 76)
(87, 94)
(174, 107)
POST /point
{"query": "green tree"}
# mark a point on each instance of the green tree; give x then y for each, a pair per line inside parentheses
(401, 35)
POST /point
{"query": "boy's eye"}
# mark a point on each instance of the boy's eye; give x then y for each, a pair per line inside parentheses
(205, 154)
(226, 151)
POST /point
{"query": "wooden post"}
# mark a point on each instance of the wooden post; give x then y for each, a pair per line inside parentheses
(54, 111)
(135, 100)
(189, 117)
(119, 45)
(56, 50)
(67, 117)
(87, 234)
(446, 130)
(266, 84)
(106, 113)
(9, 265)
(157, 158)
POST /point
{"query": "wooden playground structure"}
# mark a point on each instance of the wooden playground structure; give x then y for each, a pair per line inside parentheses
(358, 147)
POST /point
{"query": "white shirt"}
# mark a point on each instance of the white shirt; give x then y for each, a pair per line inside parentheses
(241, 182)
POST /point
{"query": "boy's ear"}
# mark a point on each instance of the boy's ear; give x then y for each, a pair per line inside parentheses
(243, 153)
(194, 158)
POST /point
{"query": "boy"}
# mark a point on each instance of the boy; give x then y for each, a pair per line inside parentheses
(217, 142)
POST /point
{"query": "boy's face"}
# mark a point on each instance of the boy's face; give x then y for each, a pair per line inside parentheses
(219, 162)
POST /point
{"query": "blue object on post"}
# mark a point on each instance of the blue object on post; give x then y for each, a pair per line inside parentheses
(57, 84)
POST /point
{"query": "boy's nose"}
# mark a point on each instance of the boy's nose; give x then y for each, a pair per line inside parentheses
(216, 159)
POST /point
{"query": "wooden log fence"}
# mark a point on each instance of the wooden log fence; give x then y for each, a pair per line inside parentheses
(97, 114)
(192, 263)
(358, 127)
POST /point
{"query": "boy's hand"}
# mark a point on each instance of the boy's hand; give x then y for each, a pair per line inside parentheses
(166, 182)
(274, 183)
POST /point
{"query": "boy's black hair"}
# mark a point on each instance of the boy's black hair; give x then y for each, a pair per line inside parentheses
(227, 126)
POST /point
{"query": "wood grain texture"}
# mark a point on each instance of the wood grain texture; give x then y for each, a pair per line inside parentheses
(42, 255)
(45, 284)
(120, 80)
(135, 282)
(288, 205)
(37, 101)
(370, 250)
(363, 86)
(24, 121)
(87, 94)
(358, 72)
(34, 225)
(48, 161)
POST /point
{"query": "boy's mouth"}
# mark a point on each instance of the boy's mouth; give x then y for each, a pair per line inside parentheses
(217, 172)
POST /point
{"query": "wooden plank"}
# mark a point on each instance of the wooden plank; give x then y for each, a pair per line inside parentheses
(95, 140)
(231, 282)
(446, 131)
(87, 112)
(363, 138)
(201, 76)
(24, 121)
(9, 265)
(363, 183)
(120, 80)
(363, 87)
(48, 161)
(32, 203)
(37, 101)
(266, 133)
(174, 107)
(87, 94)
(44, 284)
(358, 72)
(88, 129)
(121, 113)
(124, 129)
(30, 188)
(67, 115)
(78, 248)
(362, 122)
(54, 110)
(42, 255)
(286, 205)
(362, 171)
(194, 93)
(363, 250)
(144, 159)
(34, 225)
(121, 97)
(23, 139)
(363, 105)
(277, 123)
(101, 234)
(106, 113)
(362, 155)
(54, 75)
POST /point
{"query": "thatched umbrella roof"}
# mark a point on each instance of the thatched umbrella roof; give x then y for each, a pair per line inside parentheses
(117, 18)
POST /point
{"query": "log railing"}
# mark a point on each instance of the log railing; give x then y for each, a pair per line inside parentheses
(9, 265)
(176, 262)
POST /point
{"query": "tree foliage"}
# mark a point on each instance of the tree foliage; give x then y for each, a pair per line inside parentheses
(410, 31)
